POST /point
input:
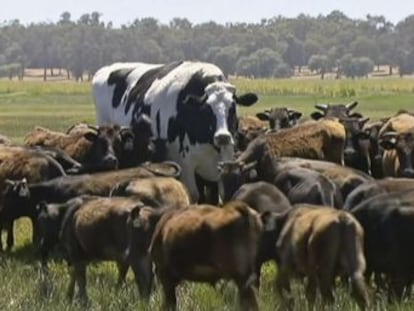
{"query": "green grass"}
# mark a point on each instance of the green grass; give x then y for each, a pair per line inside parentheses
(24, 105)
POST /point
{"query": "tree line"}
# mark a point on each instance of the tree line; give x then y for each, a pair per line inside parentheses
(270, 48)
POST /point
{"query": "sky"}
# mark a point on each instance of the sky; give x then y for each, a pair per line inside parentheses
(198, 11)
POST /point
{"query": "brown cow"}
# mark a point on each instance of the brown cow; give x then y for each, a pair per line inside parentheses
(206, 244)
(95, 149)
(20, 198)
(99, 229)
(22, 163)
(322, 140)
(249, 127)
(397, 137)
(320, 243)
(154, 191)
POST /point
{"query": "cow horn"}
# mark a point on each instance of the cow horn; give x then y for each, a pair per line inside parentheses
(390, 134)
(248, 166)
(351, 106)
(9, 182)
(322, 107)
(159, 172)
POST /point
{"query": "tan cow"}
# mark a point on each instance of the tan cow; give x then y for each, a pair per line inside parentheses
(320, 243)
(155, 191)
(206, 244)
(397, 137)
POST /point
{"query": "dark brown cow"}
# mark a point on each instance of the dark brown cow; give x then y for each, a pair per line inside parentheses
(98, 229)
(368, 190)
(206, 244)
(29, 165)
(372, 129)
(95, 149)
(280, 118)
(20, 198)
(136, 143)
(320, 243)
(154, 191)
(304, 185)
(388, 222)
(356, 152)
(263, 197)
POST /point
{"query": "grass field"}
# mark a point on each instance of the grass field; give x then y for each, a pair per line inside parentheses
(57, 105)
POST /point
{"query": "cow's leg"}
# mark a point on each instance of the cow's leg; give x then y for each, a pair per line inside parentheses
(247, 297)
(1, 240)
(35, 235)
(359, 290)
(72, 282)
(80, 274)
(311, 290)
(168, 283)
(396, 287)
(122, 272)
(282, 286)
(142, 268)
(10, 235)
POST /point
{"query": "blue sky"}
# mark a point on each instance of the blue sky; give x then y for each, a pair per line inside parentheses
(221, 11)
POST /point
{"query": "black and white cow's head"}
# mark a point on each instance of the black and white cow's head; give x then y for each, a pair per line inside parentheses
(212, 116)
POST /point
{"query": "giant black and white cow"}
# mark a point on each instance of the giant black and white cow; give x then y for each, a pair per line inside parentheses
(191, 104)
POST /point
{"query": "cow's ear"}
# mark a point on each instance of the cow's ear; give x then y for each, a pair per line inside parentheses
(268, 220)
(316, 115)
(352, 105)
(247, 99)
(90, 136)
(134, 217)
(388, 140)
(264, 116)
(362, 121)
(294, 115)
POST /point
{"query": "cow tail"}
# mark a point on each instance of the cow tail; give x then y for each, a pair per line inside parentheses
(66, 234)
(352, 260)
(327, 195)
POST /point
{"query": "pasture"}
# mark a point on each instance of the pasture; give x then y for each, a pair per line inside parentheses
(57, 105)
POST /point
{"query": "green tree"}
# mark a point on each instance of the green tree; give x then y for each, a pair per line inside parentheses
(320, 63)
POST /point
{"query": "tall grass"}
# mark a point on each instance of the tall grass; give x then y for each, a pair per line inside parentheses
(341, 88)
(57, 105)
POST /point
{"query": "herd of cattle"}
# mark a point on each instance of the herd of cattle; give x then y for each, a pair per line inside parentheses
(325, 197)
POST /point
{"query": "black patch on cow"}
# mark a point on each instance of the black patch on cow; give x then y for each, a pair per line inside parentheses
(119, 78)
(158, 123)
(196, 121)
(138, 91)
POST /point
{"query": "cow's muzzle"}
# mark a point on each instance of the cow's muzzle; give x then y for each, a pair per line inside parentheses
(222, 139)
(110, 162)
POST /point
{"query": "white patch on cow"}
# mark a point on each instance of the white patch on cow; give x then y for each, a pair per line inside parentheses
(103, 93)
